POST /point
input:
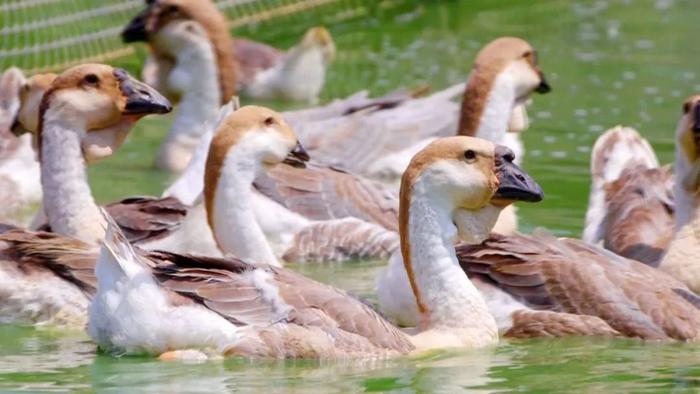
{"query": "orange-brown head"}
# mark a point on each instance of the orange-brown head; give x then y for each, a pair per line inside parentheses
(510, 55)
(100, 102)
(461, 174)
(257, 132)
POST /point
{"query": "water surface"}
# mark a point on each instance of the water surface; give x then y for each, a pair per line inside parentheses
(610, 62)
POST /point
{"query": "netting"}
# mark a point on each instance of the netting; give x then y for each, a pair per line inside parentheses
(50, 35)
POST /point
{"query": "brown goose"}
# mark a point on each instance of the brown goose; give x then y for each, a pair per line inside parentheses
(635, 216)
(538, 285)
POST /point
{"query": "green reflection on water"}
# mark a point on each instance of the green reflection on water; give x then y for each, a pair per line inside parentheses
(610, 62)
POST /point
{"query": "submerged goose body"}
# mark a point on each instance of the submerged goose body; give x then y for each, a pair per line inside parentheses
(233, 308)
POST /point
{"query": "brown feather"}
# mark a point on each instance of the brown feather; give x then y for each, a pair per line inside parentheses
(632, 298)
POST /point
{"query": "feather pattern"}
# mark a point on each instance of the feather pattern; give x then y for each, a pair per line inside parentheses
(573, 277)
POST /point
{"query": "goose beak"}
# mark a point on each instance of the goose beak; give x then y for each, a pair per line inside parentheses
(141, 99)
(514, 184)
(297, 157)
(543, 87)
(136, 29)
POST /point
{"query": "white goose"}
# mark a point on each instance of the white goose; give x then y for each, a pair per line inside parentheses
(202, 305)
(321, 193)
(195, 61)
(538, 285)
(20, 186)
(84, 115)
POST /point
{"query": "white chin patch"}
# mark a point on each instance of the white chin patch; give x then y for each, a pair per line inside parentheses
(475, 226)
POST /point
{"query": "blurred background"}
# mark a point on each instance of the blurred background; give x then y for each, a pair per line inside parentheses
(610, 62)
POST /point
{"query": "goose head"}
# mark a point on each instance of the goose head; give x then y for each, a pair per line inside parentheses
(255, 138)
(101, 103)
(471, 179)
(688, 146)
(319, 37)
(516, 58)
(161, 25)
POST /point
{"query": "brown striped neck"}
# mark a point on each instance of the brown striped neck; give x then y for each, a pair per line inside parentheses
(214, 22)
(476, 94)
(404, 233)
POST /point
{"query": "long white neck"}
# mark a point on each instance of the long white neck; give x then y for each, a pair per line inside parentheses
(233, 220)
(680, 260)
(451, 301)
(493, 123)
(686, 204)
(195, 76)
(68, 202)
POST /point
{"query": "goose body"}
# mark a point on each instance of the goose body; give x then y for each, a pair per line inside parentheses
(630, 209)
(233, 308)
(84, 115)
(538, 285)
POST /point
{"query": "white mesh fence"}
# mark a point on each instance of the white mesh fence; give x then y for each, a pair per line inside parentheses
(49, 35)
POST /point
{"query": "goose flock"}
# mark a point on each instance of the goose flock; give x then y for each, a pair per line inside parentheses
(426, 182)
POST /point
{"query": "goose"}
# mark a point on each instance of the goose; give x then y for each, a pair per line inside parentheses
(230, 307)
(194, 61)
(321, 192)
(538, 285)
(631, 205)
(84, 115)
(661, 231)
(19, 168)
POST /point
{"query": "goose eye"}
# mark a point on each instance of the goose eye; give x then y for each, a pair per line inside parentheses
(269, 121)
(170, 10)
(527, 54)
(92, 79)
(470, 155)
(686, 107)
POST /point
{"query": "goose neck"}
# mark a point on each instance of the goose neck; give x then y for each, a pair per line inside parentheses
(230, 209)
(446, 297)
(68, 202)
(488, 102)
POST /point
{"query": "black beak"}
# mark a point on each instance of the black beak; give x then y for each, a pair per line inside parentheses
(696, 122)
(543, 87)
(297, 157)
(136, 29)
(514, 184)
(141, 99)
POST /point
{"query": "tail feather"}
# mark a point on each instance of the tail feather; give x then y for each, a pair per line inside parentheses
(614, 151)
(617, 149)
(116, 247)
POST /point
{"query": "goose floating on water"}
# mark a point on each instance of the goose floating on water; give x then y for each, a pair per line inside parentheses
(666, 199)
(240, 309)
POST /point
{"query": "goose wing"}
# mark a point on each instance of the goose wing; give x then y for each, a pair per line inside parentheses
(70, 259)
(276, 303)
(573, 277)
(321, 192)
(639, 218)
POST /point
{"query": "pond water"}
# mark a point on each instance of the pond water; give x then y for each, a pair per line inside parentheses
(610, 62)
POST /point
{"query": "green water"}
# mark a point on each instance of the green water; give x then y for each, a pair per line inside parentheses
(610, 62)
